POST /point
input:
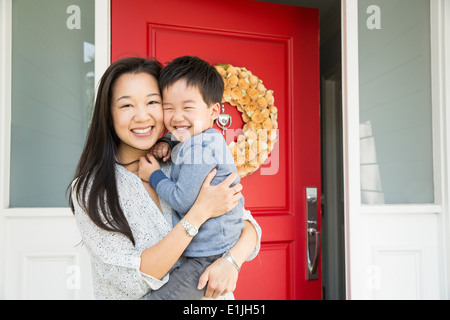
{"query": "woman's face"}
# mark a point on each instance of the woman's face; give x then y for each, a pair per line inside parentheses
(137, 112)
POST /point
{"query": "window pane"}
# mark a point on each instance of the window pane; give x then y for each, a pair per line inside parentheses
(395, 102)
(52, 97)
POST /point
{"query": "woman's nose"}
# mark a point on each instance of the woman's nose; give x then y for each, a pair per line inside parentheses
(141, 114)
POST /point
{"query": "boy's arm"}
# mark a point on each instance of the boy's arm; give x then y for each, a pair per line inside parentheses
(182, 194)
(170, 139)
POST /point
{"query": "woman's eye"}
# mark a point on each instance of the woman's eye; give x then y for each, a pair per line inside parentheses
(126, 106)
(154, 102)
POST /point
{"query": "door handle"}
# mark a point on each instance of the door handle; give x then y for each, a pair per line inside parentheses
(313, 237)
(315, 241)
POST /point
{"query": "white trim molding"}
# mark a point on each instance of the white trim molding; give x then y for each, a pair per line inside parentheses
(440, 29)
(102, 37)
(5, 97)
(5, 120)
(350, 109)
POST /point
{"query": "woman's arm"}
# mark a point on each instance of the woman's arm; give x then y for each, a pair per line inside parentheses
(211, 202)
(160, 258)
(222, 276)
(245, 245)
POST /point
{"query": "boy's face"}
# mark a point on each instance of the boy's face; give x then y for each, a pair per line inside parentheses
(185, 112)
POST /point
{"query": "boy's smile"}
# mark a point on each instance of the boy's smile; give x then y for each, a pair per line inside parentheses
(185, 112)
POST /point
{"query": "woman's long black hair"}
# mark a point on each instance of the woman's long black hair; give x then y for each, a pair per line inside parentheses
(95, 180)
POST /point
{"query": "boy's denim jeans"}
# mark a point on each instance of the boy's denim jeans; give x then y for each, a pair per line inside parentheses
(183, 281)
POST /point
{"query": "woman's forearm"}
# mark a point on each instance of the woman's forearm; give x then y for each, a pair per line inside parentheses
(157, 260)
(160, 258)
(246, 244)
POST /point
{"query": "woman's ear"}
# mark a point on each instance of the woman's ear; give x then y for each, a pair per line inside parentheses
(215, 111)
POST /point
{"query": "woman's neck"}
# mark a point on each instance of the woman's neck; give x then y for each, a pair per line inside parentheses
(129, 157)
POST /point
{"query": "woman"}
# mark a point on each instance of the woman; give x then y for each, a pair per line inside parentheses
(124, 225)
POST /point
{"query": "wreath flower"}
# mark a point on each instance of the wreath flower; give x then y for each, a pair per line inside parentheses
(247, 93)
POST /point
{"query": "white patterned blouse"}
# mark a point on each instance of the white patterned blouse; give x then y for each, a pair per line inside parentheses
(115, 260)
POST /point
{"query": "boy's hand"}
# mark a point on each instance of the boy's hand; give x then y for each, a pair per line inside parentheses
(161, 150)
(147, 165)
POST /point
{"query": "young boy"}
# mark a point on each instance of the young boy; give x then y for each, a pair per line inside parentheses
(192, 91)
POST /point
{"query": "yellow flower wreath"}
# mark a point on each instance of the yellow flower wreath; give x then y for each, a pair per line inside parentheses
(247, 93)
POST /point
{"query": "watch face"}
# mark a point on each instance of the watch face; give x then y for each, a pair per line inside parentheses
(192, 232)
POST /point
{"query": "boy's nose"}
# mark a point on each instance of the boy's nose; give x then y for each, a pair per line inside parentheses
(178, 116)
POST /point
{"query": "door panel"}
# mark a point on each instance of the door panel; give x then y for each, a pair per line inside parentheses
(215, 46)
(279, 44)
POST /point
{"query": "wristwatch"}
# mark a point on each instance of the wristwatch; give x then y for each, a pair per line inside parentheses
(191, 230)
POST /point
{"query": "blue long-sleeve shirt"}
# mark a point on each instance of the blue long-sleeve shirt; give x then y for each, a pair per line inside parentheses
(192, 161)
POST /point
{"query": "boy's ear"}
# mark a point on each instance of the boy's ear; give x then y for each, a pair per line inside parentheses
(215, 111)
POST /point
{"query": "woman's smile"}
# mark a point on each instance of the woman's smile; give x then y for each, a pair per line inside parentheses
(142, 132)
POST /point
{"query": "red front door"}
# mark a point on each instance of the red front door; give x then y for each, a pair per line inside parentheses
(280, 45)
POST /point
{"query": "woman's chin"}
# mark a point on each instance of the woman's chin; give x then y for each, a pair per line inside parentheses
(143, 146)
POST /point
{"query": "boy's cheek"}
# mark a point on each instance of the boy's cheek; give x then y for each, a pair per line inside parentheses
(166, 121)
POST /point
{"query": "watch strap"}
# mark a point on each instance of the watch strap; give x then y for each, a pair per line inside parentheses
(188, 226)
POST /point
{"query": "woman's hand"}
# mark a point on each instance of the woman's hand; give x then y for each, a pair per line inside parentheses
(214, 201)
(221, 277)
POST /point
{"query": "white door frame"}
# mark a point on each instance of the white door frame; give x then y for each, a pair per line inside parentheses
(360, 277)
(17, 284)
(5, 122)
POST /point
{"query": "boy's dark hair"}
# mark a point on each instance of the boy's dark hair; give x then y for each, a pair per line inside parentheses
(197, 73)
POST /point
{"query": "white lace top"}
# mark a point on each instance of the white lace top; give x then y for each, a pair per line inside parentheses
(115, 260)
